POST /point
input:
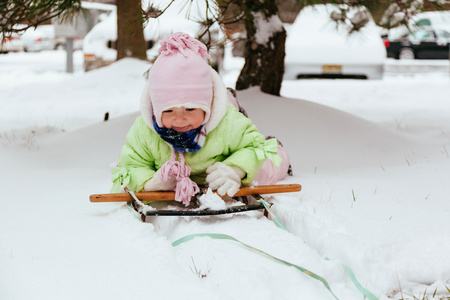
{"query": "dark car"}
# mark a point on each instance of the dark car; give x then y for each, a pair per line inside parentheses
(420, 43)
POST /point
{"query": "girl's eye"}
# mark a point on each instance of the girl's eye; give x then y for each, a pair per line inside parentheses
(168, 111)
(190, 109)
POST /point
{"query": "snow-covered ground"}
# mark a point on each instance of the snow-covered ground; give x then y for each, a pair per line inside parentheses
(372, 157)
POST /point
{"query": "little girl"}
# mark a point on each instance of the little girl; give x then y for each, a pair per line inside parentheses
(189, 133)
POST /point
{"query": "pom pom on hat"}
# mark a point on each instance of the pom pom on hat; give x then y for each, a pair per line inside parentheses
(180, 41)
(180, 76)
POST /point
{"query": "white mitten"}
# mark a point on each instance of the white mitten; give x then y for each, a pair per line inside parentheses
(155, 183)
(224, 179)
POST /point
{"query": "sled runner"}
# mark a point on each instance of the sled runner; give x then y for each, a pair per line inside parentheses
(164, 204)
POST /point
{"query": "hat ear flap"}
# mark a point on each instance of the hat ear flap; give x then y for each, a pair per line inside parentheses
(146, 106)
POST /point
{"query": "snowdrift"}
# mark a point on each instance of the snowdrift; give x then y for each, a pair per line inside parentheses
(317, 137)
(320, 137)
(372, 199)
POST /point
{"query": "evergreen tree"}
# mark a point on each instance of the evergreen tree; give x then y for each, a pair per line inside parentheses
(265, 36)
(19, 15)
(130, 33)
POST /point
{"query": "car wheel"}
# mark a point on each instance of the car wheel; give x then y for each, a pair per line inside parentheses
(406, 53)
(59, 47)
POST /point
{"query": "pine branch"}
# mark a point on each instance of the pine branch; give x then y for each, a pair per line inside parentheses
(19, 15)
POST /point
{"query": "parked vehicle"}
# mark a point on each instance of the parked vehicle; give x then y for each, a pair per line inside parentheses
(12, 43)
(427, 37)
(60, 43)
(36, 39)
(432, 18)
(430, 42)
(100, 43)
(317, 48)
(39, 38)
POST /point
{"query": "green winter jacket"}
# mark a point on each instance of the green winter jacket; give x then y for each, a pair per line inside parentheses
(235, 141)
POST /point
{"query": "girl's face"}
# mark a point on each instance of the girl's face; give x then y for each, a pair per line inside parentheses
(182, 119)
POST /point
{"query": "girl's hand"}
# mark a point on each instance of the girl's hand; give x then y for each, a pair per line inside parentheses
(225, 179)
(155, 183)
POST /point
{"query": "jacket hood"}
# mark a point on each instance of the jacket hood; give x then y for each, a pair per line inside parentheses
(218, 107)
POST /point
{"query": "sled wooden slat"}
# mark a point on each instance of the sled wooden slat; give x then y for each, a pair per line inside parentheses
(169, 196)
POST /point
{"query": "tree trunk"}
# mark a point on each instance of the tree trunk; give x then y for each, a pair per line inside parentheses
(130, 32)
(264, 49)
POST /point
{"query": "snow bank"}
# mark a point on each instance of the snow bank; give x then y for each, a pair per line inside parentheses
(308, 129)
(373, 199)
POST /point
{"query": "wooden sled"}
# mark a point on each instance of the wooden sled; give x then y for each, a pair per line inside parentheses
(164, 204)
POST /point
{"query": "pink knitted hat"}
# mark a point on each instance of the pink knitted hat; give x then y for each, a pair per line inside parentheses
(180, 76)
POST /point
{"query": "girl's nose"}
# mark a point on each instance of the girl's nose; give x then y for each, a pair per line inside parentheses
(179, 116)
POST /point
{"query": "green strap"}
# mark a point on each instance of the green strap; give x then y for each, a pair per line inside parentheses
(227, 237)
(272, 215)
(363, 290)
(349, 272)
